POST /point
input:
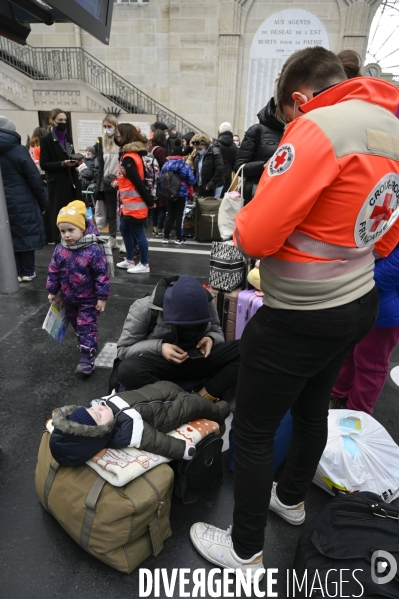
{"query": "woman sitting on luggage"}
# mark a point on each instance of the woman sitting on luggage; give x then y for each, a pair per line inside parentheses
(138, 419)
(208, 166)
(176, 185)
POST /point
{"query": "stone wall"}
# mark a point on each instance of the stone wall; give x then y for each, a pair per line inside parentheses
(193, 56)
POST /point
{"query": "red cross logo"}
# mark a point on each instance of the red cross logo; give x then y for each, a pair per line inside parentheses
(381, 213)
(280, 159)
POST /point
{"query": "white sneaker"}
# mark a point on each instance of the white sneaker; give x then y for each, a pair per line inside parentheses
(125, 264)
(113, 244)
(122, 247)
(27, 279)
(165, 240)
(138, 268)
(294, 514)
(216, 546)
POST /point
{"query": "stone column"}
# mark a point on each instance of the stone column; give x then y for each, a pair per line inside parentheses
(357, 16)
(229, 46)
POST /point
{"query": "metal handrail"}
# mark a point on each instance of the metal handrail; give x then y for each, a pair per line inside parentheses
(69, 64)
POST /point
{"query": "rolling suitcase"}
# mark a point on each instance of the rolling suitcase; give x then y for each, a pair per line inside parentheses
(282, 440)
(248, 303)
(227, 310)
(206, 220)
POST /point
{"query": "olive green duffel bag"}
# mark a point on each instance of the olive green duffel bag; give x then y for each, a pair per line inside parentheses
(120, 526)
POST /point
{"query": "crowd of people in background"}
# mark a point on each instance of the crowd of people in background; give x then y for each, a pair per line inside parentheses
(319, 329)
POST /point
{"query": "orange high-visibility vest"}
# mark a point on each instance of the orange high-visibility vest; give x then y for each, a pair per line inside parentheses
(132, 203)
(327, 198)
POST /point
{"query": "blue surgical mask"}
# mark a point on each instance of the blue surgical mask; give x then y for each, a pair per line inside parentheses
(167, 136)
(237, 143)
(202, 152)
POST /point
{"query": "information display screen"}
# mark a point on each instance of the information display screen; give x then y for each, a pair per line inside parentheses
(94, 16)
(97, 8)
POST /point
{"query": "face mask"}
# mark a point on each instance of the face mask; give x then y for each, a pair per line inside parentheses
(202, 152)
(167, 136)
(88, 155)
(60, 126)
(109, 131)
(173, 132)
(237, 143)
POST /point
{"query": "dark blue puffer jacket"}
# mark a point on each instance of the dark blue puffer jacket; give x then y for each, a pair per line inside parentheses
(25, 193)
(386, 276)
(183, 170)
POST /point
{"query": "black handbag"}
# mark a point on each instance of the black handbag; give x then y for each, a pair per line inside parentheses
(195, 477)
(355, 537)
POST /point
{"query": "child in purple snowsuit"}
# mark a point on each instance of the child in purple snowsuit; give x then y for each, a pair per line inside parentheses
(78, 273)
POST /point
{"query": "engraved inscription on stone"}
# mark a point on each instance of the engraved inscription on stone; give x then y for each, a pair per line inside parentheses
(277, 38)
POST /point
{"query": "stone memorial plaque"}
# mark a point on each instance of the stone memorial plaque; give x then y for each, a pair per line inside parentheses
(277, 38)
(88, 132)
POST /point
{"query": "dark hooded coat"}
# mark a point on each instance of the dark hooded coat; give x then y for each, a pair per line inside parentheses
(229, 152)
(212, 173)
(259, 144)
(25, 193)
(158, 409)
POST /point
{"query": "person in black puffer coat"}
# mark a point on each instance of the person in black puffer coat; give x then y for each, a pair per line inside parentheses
(208, 166)
(26, 199)
(229, 153)
(259, 144)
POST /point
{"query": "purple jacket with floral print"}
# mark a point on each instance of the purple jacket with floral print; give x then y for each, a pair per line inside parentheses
(79, 274)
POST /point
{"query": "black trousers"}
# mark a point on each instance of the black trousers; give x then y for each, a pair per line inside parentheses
(25, 262)
(289, 359)
(175, 215)
(221, 367)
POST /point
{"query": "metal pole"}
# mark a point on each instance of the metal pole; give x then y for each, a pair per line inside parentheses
(8, 268)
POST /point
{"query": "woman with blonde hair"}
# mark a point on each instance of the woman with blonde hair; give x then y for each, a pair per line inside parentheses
(108, 159)
(62, 179)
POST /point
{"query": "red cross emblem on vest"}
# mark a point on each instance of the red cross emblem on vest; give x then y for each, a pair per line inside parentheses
(381, 213)
(280, 159)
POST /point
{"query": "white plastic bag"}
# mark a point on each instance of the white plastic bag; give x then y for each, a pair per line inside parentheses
(231, 204)
(100, 214)
(360, 456)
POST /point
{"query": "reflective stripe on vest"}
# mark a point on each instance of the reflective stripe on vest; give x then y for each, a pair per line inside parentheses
(342, 260)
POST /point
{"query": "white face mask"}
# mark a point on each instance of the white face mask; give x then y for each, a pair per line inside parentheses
(109, 131)
(167, 136)
(173, 132)
(202, 152)
(88, 155)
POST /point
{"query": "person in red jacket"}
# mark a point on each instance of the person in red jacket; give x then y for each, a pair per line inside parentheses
(328, 197)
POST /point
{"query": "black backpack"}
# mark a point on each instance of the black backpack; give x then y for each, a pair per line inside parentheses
(353, 532)
(195, 477)
(170, 182)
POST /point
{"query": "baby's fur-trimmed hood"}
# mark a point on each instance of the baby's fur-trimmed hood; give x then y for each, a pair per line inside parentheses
(71, 443)
(135, 146)
(69, 427)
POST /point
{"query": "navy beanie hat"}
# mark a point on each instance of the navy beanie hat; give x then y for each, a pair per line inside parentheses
(186, 303)
(82, 416)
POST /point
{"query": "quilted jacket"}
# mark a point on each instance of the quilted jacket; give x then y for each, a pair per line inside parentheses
(80, 274)
(183, 170)
(157, 409)
(25, 193)
(137, 337)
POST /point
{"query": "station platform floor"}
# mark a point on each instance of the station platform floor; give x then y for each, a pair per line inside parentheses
(38, 560)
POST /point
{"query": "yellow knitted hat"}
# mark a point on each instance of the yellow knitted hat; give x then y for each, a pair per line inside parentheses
(74, 213)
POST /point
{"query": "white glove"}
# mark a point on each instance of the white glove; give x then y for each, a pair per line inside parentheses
(189, 451)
